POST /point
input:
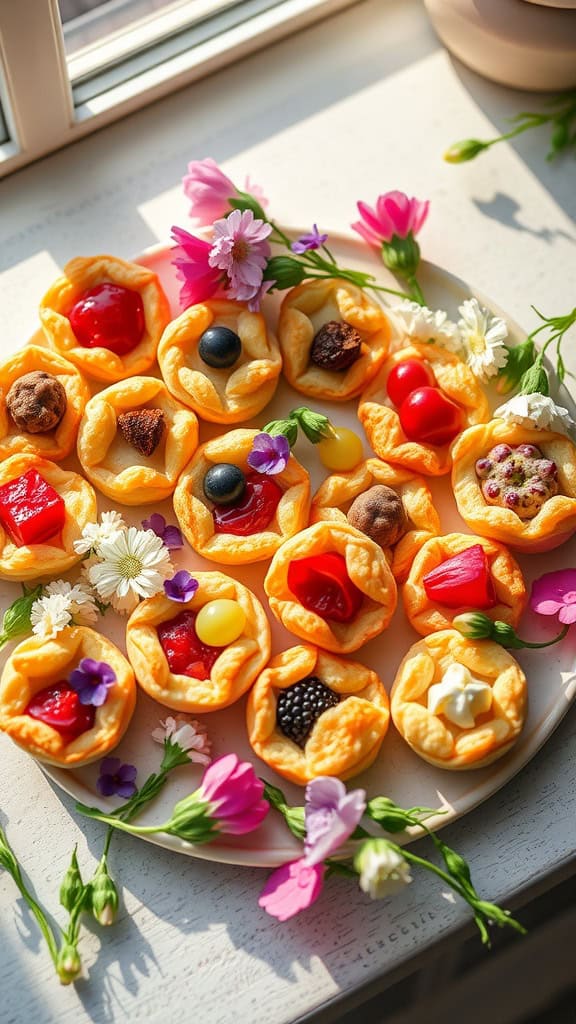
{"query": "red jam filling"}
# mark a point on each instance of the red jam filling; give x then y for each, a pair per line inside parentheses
(60, 707)
(322, 585)
(463, 580)
(31, 510)
(108, 316)
(185, 653)
(254, 512)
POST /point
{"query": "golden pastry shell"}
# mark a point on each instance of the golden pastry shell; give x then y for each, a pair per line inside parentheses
(344, 740)
(234, 670)
(195, 517)
(556, 520)
(82, 274)
(335, 495)
(433, 737)
(368, 570)
(35, 664)
(304, 311)
(220, 395)
(113, 465)
(53, 444)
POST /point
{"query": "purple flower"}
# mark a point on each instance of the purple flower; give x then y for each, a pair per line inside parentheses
(332, 814)
(312, 240)
(92, 680)
(169, 534)
(254, 302)
(181, 587)
(240, 249)
(555, 594)
(270, 454)
(116, 779)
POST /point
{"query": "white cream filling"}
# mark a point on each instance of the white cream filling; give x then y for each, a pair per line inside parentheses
(460, 696)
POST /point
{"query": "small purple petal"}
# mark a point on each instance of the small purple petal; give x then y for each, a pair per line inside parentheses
(170, 535)
(181, 587)
(310, 240)
(156, 523)
(270, 454)
(110, 765)
(91, 681)
(127, 772)
(173, 538)
(106, 785)
(126, 789)
(116, 778)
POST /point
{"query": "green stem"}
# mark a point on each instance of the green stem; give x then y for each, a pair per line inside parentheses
(548, 643)
(416, 291)
(41, 919)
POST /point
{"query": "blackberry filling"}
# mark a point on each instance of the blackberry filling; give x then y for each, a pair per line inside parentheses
(300, 705)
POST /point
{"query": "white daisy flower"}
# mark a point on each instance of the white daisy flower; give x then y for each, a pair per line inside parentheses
(49, 615)
(190, 735)
(81, 602)
(537, 411)
(483, 336)
(133, 564)
(426, 325)
(93, 534)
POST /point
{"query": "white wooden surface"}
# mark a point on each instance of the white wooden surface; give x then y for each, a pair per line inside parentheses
(360, 104)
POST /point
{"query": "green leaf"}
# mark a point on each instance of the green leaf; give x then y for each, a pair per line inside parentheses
(288, 428)
(16, 621)
(244, 201)
(520, 359)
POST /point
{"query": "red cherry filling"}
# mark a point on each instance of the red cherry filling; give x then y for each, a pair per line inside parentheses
(322, 585)
(428, 416)
(185, 653)
(463, 580)
(406, 377)
(60, 707)
(30, 509)
(254, 512)
(108, 316)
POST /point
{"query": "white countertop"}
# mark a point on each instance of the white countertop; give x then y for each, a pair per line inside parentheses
(362, 103)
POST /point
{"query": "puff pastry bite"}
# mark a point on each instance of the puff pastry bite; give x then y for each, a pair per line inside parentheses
(43, 510)
(381, 420)
(251, 362)
(106, 316)
(516, 484)
(458, 573)
(333, 338)
(338, 731)
(251, 528)
(42, 397)
(40, 711)
(332, 585)
(203, 678)
(135, 439)
(459, 703)
(389, 504)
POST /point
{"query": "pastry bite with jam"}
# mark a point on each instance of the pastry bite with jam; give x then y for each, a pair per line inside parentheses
(459, 573)
(421, 400)
(202, 655)
(106, 316)
(42, 397)
(221, 360)
(310, 713)
(331, 585)
(67, 701)
(43, 510)
(135, 439)
(390, 505)
(516, 484)
(459, 703)
(232, 514)
(333, 339)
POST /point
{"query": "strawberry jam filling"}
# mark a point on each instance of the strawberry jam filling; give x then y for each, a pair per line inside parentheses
(60, 707)
(185, 653)
(255, 510)
(463, 580)
(108, 316)
(31, 510)
(322, 585)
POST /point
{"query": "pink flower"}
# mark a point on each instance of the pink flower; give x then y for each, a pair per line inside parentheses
(292, 888)
(208, 189)
(240, 249)
(332, 814)
(395, 214)
(257, 192)
(555, 594)
(254, 302)
(192, 264)
(234, 794)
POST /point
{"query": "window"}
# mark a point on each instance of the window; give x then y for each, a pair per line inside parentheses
(73, 65)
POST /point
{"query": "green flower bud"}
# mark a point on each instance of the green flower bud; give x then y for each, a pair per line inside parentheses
(103, 895)
(520, 359)
(474, 625)
(72, 888)
(466, 149)
(401, 255)
(535, 381)
(289, 428)
(192, 820)
(387, 814)
(68, 964)
(505, 635)
(314, 425)
(285, 271)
